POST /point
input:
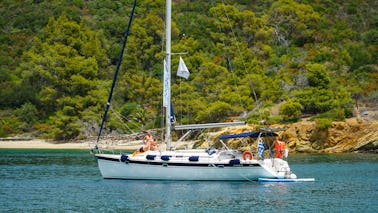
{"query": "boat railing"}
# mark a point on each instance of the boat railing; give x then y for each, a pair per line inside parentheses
(209, 125)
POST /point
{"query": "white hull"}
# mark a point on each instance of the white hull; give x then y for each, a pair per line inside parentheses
(210, 168)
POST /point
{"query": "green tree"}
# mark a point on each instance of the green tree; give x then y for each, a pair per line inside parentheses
(62, 68)
(28, 113)
(315, 100)
(290, 110)
(141, 117)
(317, 76)
(215, 112)
(293, 22)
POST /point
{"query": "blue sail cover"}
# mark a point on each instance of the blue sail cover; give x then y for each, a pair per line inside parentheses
(248, 134)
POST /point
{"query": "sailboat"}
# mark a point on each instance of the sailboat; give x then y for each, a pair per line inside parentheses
(211, 164)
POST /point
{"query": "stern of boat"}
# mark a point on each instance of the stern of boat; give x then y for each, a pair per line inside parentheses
(280, 168)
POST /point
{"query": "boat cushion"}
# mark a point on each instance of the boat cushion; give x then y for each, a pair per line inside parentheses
(165, 157)
(150, 157)
(124, 158)
(193, 158)
(234, 162)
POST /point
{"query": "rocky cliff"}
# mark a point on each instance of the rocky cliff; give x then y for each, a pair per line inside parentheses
(348, 136)
(351, 135)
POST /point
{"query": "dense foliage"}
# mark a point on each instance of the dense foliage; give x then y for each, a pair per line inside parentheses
(57, 59)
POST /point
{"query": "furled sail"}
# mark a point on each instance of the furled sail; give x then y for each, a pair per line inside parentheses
(166, 85)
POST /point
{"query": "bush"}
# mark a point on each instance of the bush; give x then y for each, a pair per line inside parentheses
(314, 100)
(41, 128)
(323, 123)
(2, 133)
(336, 114)
(348, 113)
(128, 109)
(290, 110)
(253, 118)
(274, 119)
(216, 111)
(27, 113)
(64, 127)
(9, 124)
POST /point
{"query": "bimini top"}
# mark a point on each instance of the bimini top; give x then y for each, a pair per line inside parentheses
(248, 134)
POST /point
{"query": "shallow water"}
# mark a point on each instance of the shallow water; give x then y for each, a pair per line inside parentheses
(69, 181)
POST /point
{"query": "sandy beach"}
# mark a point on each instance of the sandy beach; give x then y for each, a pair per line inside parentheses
(40, 144)
(44, 144)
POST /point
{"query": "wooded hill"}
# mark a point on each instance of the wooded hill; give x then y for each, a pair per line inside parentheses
(57, 60)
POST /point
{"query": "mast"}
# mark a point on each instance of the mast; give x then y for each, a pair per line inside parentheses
(168, 15)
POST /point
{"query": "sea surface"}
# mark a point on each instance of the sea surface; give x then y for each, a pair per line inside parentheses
(69, 181)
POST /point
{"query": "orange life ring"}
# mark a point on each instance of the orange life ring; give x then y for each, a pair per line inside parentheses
(248, 155)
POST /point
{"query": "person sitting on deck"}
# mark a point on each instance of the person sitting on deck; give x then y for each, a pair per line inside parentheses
(154, 145)
(148, 138)
(147, 142)
(280, 148)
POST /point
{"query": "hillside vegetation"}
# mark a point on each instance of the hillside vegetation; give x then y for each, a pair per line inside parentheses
(262, 61)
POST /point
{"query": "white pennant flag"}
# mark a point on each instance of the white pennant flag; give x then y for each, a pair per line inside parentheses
(182, 70)
(166, 82)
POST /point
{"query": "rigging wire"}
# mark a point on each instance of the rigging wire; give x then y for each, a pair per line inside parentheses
(120, 117)
(239, 51)
(119, 61)
(229, 64)
(234, 36)
(181, 100)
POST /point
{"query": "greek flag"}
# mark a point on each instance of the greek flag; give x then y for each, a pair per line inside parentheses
(261, 147)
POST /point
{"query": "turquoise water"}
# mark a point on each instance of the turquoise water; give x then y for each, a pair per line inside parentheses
(69, 181)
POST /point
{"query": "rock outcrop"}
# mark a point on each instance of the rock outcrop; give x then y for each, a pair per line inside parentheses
(348, 136)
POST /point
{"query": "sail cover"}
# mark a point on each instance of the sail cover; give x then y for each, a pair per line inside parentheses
(248, 134)
(166, 85)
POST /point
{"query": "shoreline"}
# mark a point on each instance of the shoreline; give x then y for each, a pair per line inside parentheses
(40, 144)
(44, 144)
(105, 145)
